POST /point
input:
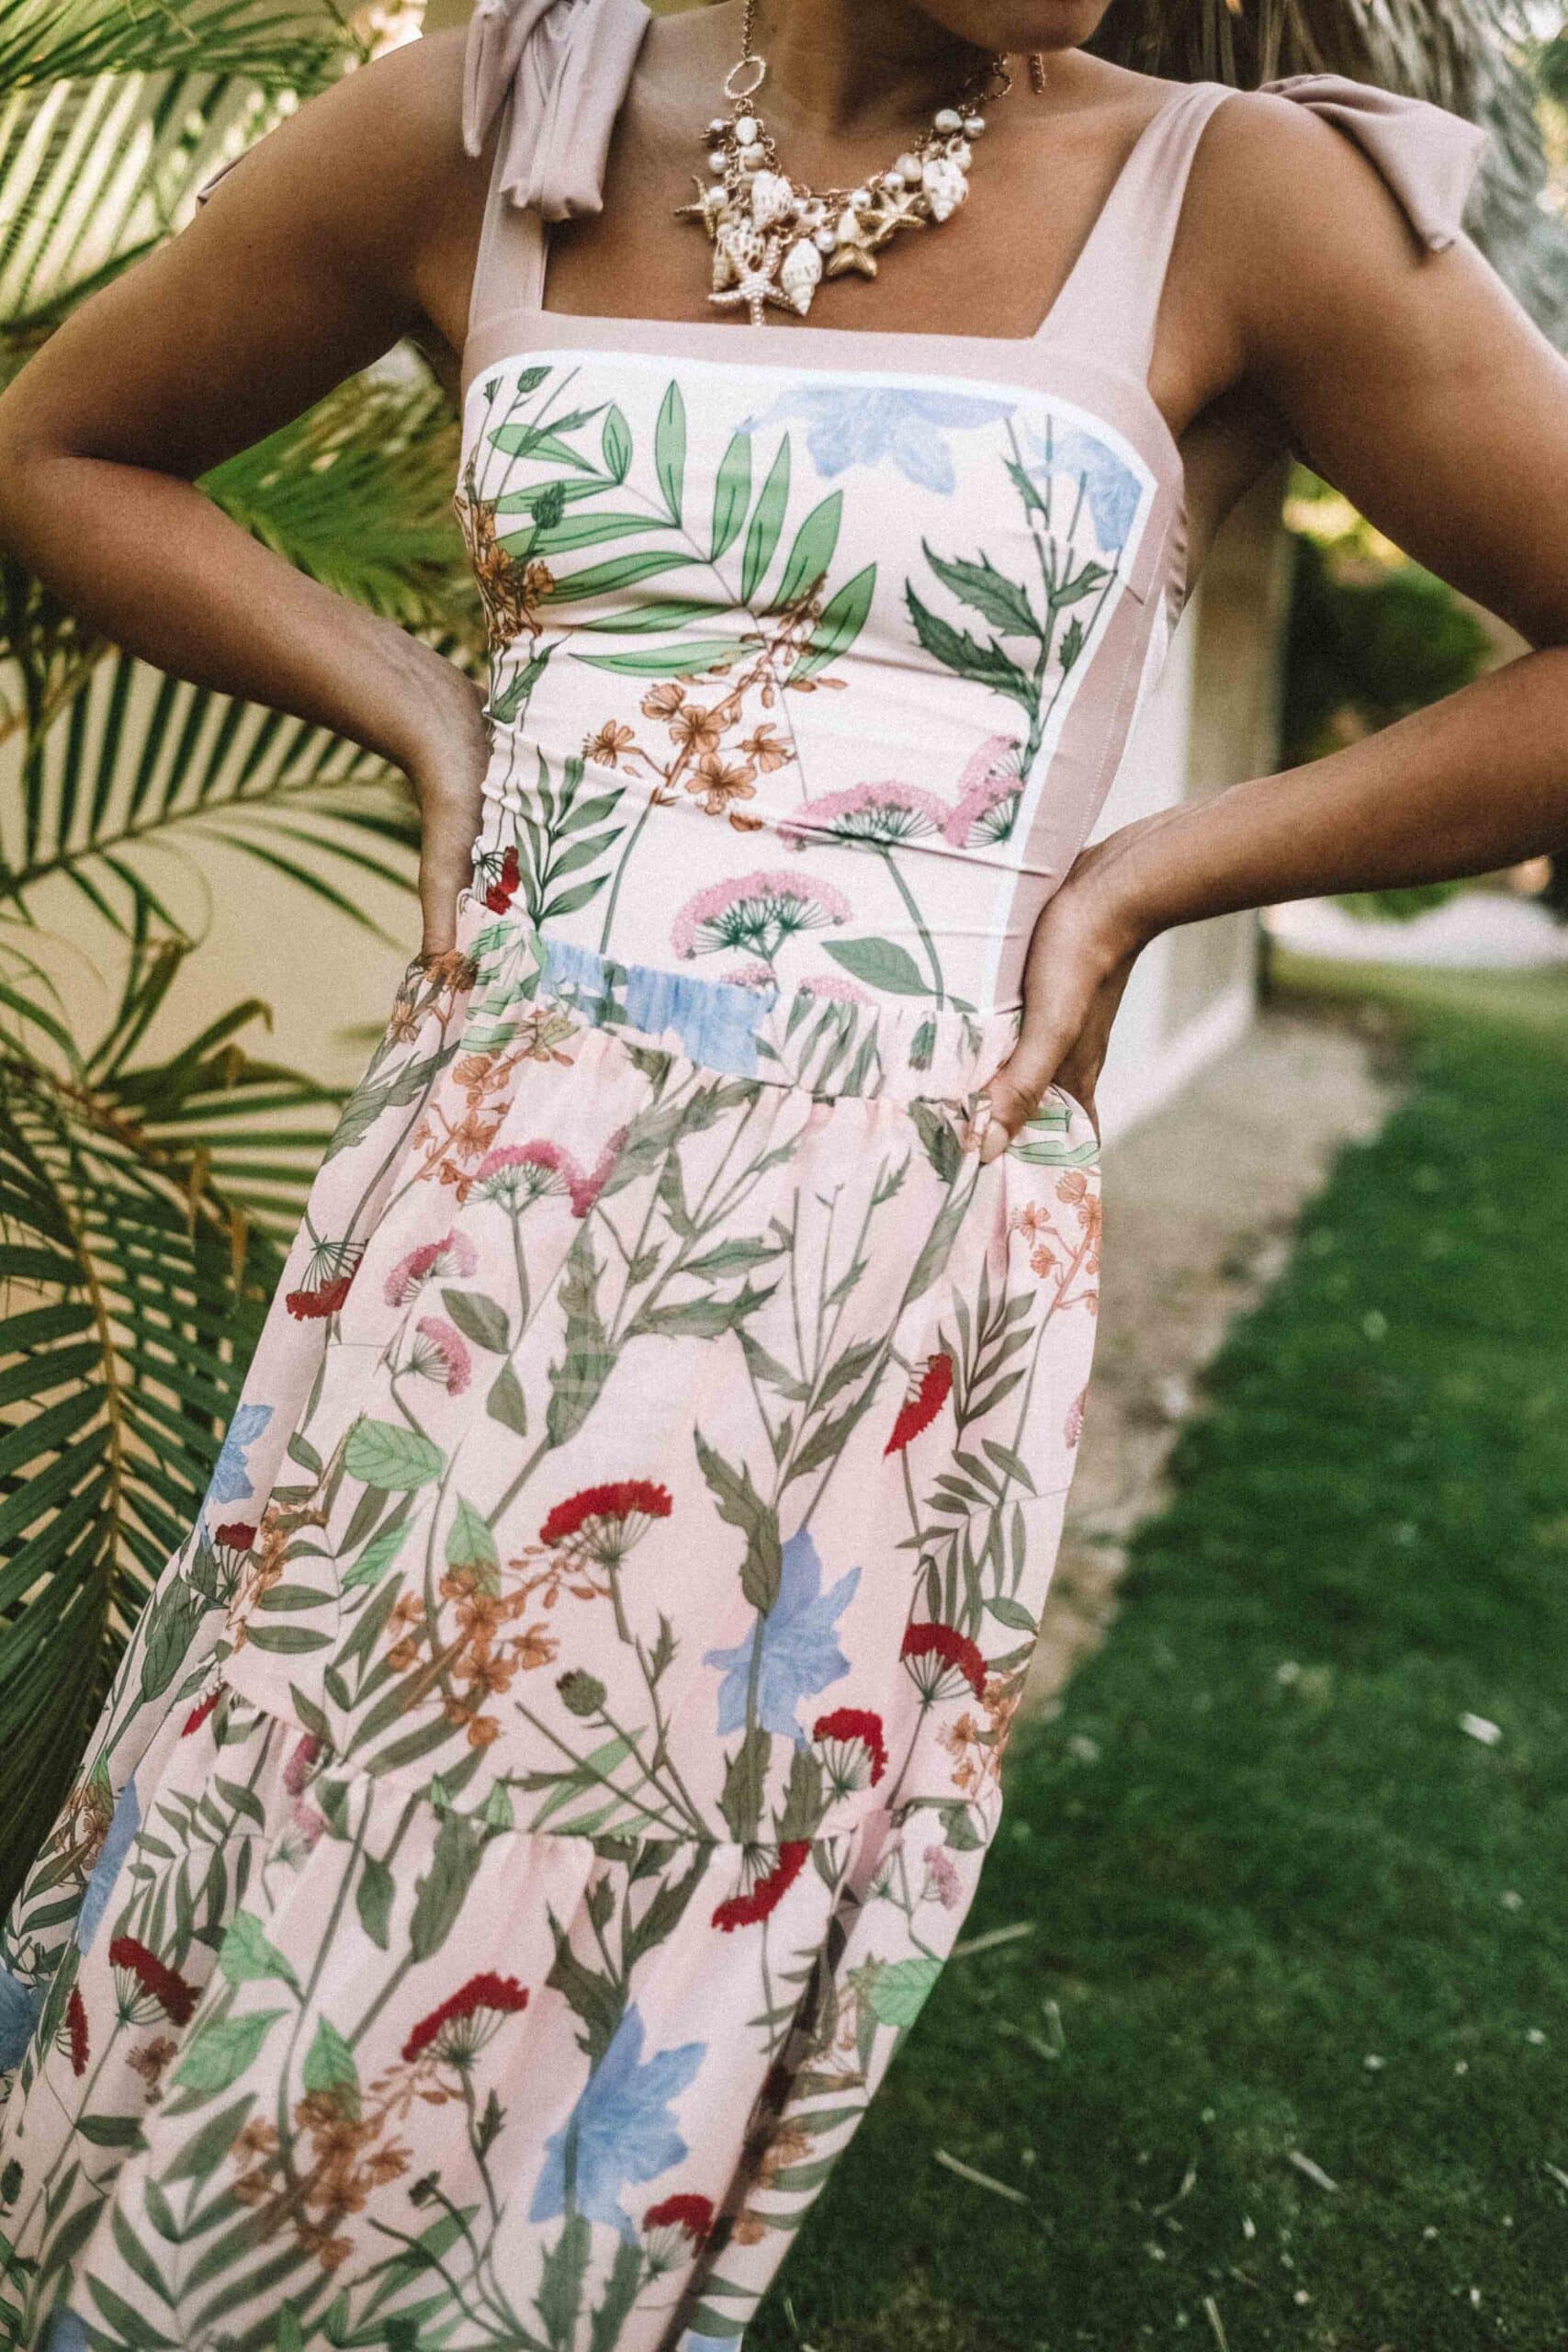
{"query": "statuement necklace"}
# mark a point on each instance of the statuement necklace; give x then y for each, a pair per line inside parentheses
(774, 239)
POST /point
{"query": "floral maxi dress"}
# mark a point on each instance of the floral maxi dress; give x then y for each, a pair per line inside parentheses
(547, 1783)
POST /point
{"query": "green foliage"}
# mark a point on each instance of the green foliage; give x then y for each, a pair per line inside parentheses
(144, 1193)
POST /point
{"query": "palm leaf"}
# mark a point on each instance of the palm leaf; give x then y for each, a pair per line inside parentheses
(132, 1287)
(278, 44)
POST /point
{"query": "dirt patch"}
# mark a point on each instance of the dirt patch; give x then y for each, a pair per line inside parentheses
(1199, 1205)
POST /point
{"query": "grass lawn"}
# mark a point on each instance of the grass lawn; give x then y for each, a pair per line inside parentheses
(1299, 1939)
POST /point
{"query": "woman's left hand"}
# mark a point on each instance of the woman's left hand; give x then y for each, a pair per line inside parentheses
(1080, 956)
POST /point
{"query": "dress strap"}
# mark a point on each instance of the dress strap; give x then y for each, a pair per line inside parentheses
(1111, 300)
(555, 73)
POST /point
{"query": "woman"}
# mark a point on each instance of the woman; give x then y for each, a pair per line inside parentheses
(551, 1777)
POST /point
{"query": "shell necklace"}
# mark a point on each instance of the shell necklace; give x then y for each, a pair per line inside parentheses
(774, 239)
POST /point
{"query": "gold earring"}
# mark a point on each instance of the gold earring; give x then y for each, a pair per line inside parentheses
(1037, 72)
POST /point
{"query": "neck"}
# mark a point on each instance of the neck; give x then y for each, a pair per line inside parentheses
(850, 66)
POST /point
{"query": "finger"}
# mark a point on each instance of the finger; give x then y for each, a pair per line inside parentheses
(446, 869)
(1014, 1092)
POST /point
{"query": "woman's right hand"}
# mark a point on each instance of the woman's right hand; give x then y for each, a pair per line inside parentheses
(447, 769)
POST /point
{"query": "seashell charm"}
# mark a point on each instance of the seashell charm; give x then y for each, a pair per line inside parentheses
(772, 198)
(945, 185)
(800, 274)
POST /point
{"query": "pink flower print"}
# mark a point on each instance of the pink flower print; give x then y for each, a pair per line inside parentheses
(454, 1255)
(520, 1173)
(1072, 1427)
(943, 1884)
(755, 914)
(835, 988)
(441, 1353)
(301, 1762)
(853, 1749)
(875, 816)
(750, 975)
(988, 792)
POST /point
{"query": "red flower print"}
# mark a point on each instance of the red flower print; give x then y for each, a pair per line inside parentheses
(767, 1891)
(76, 2030)
(440, 1353)
(674, 2229)
(330, 1279)
(459, 2029)
(520, 1173)
(923, 1403)
(853, 1749)
(153, 1978)
(235, 1536)
(938, 1658)
(297, 1772)
(598, 1526)
(504, 889)
(198, 1714)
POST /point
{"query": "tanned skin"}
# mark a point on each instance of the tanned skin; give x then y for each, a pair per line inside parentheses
(1299, 313)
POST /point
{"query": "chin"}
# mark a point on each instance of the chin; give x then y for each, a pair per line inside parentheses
(1017, 26)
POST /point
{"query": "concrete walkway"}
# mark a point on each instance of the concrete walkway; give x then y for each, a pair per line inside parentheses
(1199, 1205)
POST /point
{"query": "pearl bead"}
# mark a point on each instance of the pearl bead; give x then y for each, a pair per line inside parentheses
(961, 153)
(949, 118)
(746, 129)
(859, 200)
(716, 160)
(974, 125)
(752, 153)
(824, 239)
(908, 168)
(717, 127)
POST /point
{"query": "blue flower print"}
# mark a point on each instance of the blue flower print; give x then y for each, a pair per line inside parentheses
(1110, 484)
(621, 2129)
(69, 2334)
(800, 1650)
(849, 425)
(124, 1823)
(715, 1022)
(231, 1479)
(19, 2005)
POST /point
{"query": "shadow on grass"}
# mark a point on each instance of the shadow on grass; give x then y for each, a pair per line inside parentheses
(1300, 1936)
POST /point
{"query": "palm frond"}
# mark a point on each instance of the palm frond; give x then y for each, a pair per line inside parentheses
(132, 1285)
(278, 44)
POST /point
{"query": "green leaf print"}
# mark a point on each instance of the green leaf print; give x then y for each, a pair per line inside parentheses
(441, 1894)
(767, 523)
(1082, 583)
(549, 448)
(171, 1623)
(669, 449)
(745, 1777)
(384, 1454)
(731, 495)
(469, 1543)
(880, 963)
(247, 1953)
(615, 443)
(506, 1402)
(577, 1380)
(812, 551)
(621, 572)
(564, 2272)
(743, 1507)
(660, 613)
(376, 1557)
(620, 2295)
(984, 665)
(686, 661)
(987, 592)
(329, 2066)
(224, 2049)
(373, 1900)
(898, 1991)
(843, 617)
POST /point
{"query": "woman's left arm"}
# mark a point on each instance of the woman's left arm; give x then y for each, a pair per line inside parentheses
(1414, 382)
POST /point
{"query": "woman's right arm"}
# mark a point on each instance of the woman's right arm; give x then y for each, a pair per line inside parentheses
(348, 227)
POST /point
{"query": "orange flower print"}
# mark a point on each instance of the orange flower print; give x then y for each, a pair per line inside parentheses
(696, 729)
(610, 745)
(664, 700)
(764, 746)
(718, 781)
